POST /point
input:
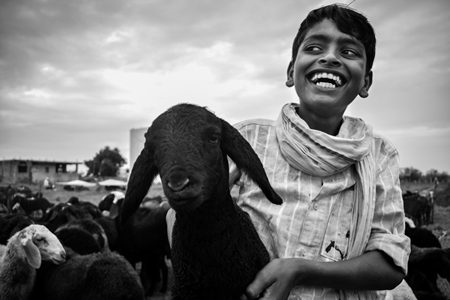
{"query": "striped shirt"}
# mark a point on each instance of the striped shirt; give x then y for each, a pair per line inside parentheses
(315, 219)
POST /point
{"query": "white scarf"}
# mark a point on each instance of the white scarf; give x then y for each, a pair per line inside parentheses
(319, 154)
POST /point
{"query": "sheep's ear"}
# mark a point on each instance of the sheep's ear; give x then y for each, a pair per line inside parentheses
(114, 210)
(143, 173)
(31, 250)
(53, 215)
(239, 150)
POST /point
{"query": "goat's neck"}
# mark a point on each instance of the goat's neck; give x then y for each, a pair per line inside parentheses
(18, 267)
(214, 215)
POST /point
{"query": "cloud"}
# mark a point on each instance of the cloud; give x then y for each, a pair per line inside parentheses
(77, 76)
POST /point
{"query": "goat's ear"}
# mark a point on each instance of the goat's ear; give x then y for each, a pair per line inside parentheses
(31, 250)
(114, 210)
(239, 150)
(143, 173)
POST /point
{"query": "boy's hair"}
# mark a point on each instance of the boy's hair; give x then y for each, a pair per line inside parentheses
(347, 20)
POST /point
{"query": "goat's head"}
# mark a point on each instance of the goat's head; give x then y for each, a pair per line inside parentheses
(39, 243)
(188, 147)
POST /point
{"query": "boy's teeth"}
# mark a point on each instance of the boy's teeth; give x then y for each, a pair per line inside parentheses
(326, 85)
(335, 78)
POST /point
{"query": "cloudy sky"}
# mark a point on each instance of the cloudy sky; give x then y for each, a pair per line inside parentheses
(76, 76)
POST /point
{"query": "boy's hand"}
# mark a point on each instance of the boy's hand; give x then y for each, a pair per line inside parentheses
(275, 280)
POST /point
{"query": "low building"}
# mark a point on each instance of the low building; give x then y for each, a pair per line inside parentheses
(13, 171)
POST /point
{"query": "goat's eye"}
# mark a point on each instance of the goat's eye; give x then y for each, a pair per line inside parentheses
(39, 239)
(214, 138)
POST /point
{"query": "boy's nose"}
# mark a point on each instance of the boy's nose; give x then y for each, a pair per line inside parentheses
(330, 58)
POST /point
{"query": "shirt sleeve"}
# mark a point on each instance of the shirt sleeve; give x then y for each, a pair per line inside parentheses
(388, 228)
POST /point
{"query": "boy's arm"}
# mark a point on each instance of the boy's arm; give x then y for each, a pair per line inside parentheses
(373, 270)
(388, 225)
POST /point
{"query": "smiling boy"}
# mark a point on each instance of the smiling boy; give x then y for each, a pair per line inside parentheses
(340, 231)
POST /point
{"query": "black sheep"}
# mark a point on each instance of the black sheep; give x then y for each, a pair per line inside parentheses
(63, 213)
(105, 204)
(39, 205)
(110, 227)
(10, 224)
(90, 226)
(216, 251)
(143, 238)
(426, 262)
(79, 240)
(87, 206)
(424, 265)
(421, 237)
(96, 276)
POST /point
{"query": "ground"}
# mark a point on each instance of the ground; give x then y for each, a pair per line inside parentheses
(440, 226)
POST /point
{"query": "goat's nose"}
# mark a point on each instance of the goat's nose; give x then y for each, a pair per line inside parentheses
(63, 255)
(178, 184)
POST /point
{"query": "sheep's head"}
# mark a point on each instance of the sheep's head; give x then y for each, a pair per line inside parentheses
(188, 147)
(39, 243)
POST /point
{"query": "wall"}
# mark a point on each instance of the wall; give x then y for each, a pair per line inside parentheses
(33, 172)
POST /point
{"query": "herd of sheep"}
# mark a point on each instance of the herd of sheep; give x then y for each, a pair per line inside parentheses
(78, 250)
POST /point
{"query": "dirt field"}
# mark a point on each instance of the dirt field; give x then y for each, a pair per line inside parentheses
(442, 207)
(440, 226)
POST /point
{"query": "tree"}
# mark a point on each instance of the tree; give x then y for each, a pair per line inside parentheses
(106, 162)
(410, 175)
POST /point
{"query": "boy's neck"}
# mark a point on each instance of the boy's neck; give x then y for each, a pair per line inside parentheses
(329, 125)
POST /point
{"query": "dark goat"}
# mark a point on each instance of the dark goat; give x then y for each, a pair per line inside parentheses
(10, 224)
(422, 237)
(415, 207)
(143, 238)
(3, 198)
(63, 213)
(89, 207)
(32, 205)
(92, 227)
(111, 230)
(107, 201)
(427, 260)
(97, 276)
(79, 240)
(216, 251)
(22, 189)
(424, 265)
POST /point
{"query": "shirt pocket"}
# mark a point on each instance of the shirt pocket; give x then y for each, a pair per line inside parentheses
(337, 234)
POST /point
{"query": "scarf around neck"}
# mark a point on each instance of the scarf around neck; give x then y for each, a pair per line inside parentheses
(319, 154)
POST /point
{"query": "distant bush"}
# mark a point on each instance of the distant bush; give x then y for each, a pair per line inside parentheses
(443, 195)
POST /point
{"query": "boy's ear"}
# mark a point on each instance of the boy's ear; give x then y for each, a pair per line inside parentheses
(364, 93)
(290, 75)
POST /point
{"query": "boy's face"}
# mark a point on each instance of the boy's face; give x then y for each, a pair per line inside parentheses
(329, 71)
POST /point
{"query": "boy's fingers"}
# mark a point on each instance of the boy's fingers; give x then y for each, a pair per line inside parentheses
(262, 281)
(256, 289)
(249, 294)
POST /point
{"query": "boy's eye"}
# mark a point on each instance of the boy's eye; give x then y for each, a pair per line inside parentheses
(312, 48)
(350, 52)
